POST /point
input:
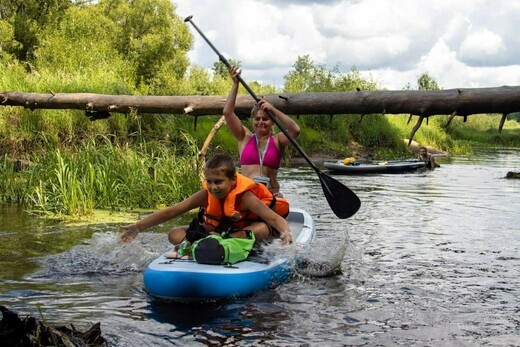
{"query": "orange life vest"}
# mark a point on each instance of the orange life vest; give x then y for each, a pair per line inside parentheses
(227, 215)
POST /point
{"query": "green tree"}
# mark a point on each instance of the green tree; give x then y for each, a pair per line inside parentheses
(68, 49)
(352, 81)
(220, 69)
(28, 18)
(308, 77)
(427, 82)
(149, 34)
(8, 45)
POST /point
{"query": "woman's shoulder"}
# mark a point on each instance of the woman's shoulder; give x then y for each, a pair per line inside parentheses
(278, 142)
(247, 137)
(243, 136)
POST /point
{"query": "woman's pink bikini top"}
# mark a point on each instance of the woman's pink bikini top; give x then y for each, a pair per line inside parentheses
(251, 156)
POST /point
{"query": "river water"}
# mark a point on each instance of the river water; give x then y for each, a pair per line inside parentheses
(431, 259)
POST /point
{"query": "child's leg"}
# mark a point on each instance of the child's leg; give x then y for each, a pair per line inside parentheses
(261, 230)
(177, 235)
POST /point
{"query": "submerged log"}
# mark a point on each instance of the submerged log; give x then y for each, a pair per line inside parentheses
(31, 332)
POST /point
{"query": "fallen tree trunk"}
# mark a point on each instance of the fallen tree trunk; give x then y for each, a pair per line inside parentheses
(422, 103)
(461, 102)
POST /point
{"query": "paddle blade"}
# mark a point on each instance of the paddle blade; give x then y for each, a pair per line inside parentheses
(343, 202)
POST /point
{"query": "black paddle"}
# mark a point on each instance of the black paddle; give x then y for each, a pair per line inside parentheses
(343, 202)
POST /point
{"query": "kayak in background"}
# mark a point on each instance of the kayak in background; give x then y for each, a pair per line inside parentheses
(394, 166)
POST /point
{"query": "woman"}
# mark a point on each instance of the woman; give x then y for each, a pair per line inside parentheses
(427, 158)
(260, 151)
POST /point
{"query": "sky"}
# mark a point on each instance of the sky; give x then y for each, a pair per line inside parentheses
(460, 43)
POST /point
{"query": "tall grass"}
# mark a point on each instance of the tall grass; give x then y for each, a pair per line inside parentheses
(107, 176)
(483, 129)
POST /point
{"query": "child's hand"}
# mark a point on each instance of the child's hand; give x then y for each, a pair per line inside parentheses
(286, 237)
(129, 233)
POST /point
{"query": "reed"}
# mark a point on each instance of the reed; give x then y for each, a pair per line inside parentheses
(91, 176)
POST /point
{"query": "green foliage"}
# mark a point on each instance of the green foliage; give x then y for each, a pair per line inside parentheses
(312, 138)
(202, 83)
(424, 82)
(353, 81)
(14, 188)
(119, 45)
(104, 176)
(8, 45)
(308, 76)
(375, 131)
(149, 34)
(82, 60)
(220, 69)
(427, 82)
(483, 128)
(27, 18)
(514, 116)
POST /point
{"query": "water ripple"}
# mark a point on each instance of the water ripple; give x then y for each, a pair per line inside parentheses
(430, 259)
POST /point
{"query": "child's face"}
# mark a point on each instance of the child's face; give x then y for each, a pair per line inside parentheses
(219, 185)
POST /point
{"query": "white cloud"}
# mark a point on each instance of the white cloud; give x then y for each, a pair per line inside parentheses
(464, 43)
(481, 46)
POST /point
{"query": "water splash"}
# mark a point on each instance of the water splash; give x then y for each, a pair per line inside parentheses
(103, 255)
(323, 259)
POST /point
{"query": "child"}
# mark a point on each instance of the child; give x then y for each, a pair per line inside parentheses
(229, 200)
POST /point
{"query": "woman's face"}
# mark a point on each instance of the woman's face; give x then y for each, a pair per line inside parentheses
(422, 152)
(262, 124)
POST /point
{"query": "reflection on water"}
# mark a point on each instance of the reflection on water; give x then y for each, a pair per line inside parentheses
(431, 258)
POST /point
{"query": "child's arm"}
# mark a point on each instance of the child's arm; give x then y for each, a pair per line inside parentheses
(251, 203)
(194, 201)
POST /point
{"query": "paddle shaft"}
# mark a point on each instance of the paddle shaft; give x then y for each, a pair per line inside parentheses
(257, 99)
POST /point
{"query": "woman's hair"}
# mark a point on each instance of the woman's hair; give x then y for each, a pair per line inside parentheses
(221, 163)
(255, 109)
